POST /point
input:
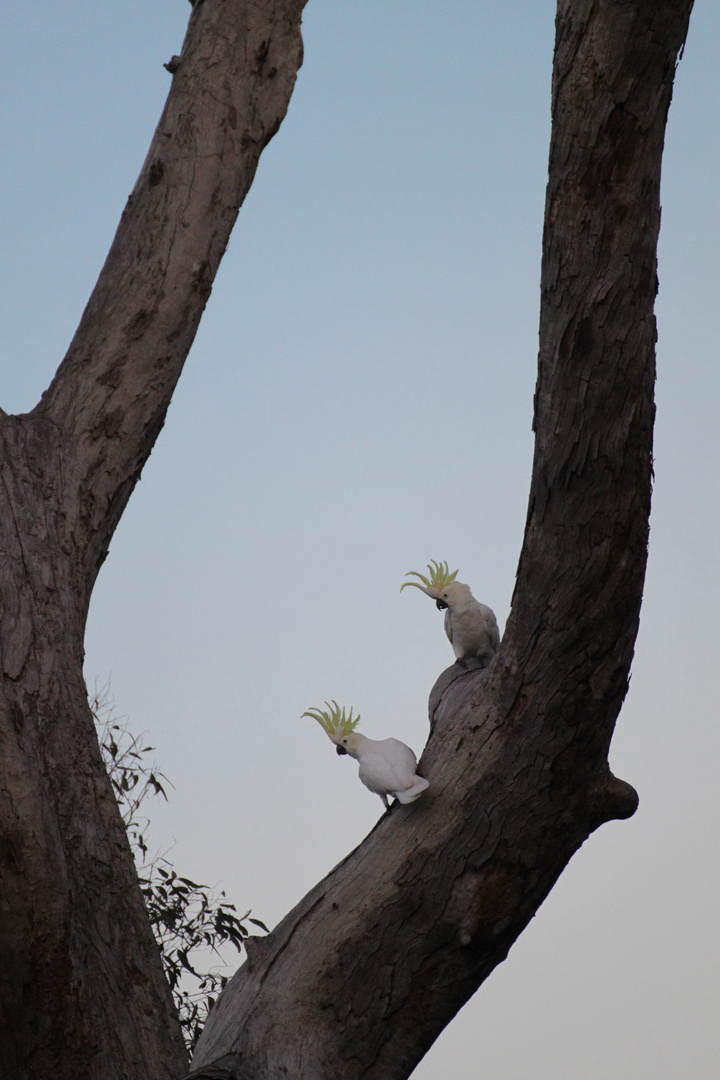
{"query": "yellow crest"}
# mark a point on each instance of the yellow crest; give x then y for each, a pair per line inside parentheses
(334, 722)
(439, 576)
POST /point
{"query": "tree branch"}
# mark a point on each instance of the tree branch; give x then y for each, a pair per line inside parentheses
(83, 992)
(230, 91)
(362, 976)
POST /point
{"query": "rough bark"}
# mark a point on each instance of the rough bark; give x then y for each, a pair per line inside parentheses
(82, 992)
(362, 976)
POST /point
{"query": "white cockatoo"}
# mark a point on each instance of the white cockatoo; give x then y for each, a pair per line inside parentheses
(471, 626)
(387, 766)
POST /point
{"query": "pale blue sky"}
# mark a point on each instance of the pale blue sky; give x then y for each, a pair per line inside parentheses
(358, 401)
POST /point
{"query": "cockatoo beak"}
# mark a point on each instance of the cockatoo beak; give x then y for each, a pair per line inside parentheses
(440, 604)
(341, 751)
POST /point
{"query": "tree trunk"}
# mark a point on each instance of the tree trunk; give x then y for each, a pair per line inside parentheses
(368, 969)
(363, 975)
(83, 993)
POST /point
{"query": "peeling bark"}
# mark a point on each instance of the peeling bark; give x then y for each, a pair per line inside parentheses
(363, 975)
(83, 993)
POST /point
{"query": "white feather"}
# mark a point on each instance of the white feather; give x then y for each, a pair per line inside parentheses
(471, 627)
(387, 766)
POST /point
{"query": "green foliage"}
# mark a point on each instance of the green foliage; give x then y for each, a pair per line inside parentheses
(190, 921)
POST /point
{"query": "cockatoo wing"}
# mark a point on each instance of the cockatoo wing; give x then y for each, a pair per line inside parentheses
(473, 630)
(493, 630)
(387, 765)
(448, 625)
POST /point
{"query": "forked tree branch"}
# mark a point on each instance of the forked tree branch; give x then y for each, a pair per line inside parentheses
(361, 977)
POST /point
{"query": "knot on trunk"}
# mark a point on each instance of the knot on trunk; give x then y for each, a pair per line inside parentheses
(610, 799)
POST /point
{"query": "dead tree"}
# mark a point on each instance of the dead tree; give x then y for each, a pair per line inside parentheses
(362, 976)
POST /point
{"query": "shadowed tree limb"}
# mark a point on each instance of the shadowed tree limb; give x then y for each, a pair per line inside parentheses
(363, 975)
(83, 993)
